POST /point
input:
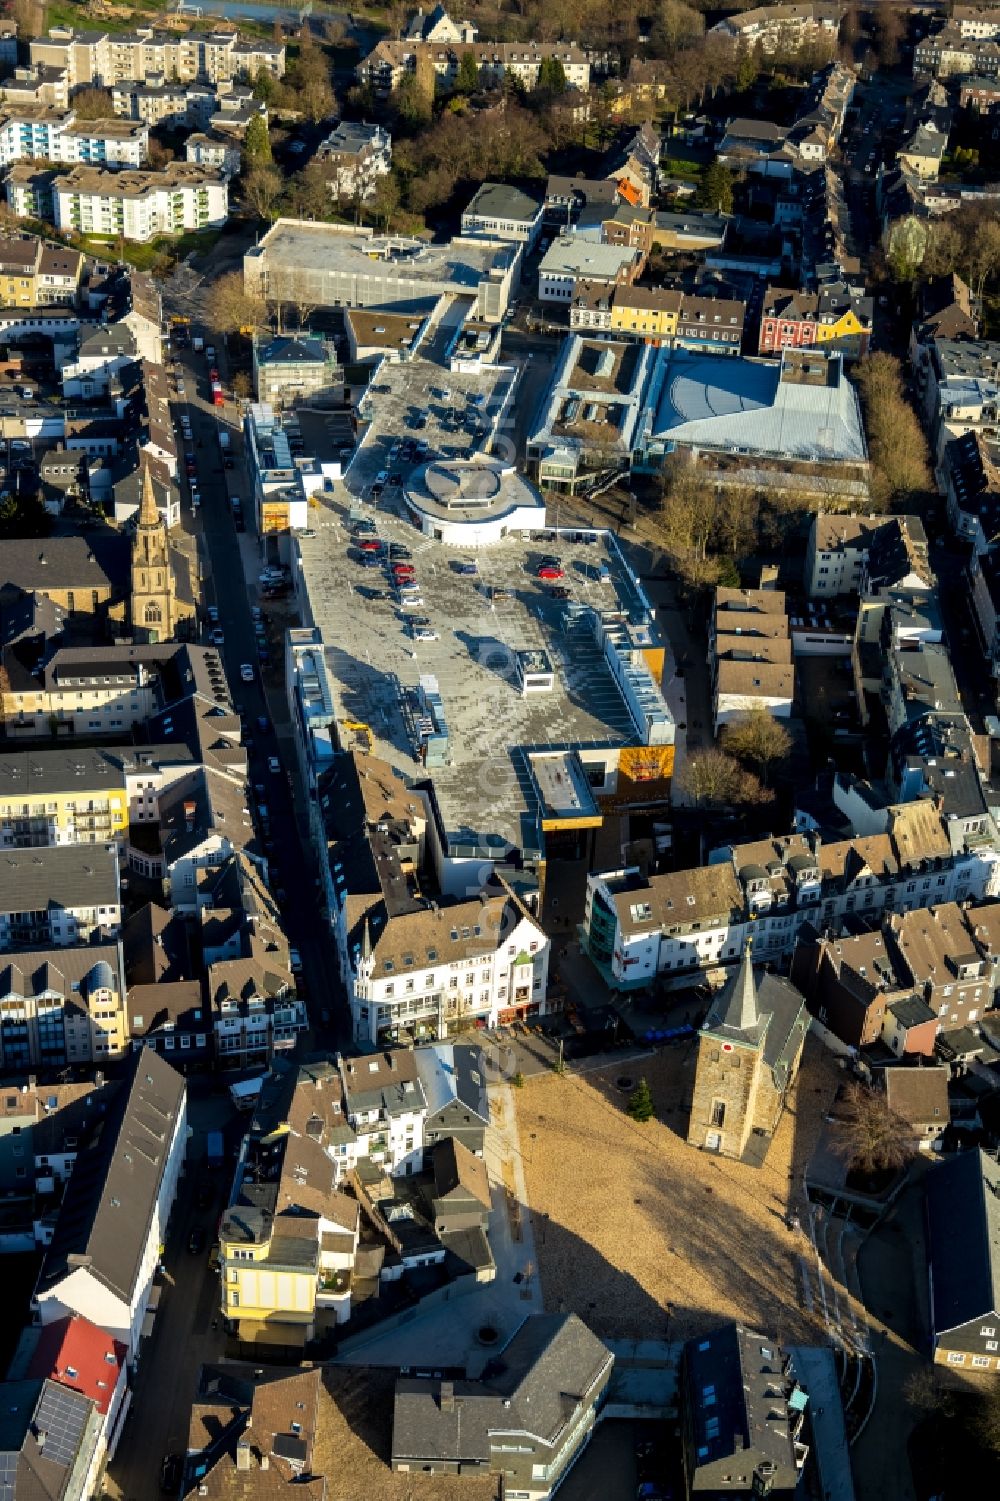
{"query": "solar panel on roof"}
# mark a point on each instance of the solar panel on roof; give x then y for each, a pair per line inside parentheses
(62, 1416)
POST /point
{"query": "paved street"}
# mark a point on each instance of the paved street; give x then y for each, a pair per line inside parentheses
(182, 1336)
(230, 562)
(892, 1267)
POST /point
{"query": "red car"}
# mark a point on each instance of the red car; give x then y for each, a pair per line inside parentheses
(370, 544)
(403, 568)
(213, 374)
(550, 571)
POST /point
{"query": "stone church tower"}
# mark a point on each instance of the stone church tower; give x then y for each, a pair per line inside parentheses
(153, 605)
(749, 1050)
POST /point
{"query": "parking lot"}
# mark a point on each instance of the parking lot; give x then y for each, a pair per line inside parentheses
(454, 414)
(475, 623)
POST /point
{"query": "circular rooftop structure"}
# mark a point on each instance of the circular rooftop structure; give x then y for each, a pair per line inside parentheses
(472, 502)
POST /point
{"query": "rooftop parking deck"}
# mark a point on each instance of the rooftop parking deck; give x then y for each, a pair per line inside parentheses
(488, 710)
(455, 413)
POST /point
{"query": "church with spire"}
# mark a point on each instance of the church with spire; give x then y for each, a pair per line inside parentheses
(748, 1054)
(153, 596)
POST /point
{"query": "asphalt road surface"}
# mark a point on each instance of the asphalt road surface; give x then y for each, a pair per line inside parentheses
(292, 862)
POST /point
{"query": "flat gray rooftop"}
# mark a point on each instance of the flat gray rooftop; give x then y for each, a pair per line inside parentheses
(458, 425)
(375, 665)
(323, 247)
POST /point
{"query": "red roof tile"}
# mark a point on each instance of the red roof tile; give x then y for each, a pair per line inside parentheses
(77, 1354)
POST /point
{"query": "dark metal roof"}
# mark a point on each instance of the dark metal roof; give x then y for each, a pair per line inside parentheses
(108, 1209)
(963, 1219)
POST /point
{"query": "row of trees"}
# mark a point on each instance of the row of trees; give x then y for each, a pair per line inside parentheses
(967, 241)
(896, 442)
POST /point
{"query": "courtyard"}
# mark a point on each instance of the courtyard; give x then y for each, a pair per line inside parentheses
(644, 1236)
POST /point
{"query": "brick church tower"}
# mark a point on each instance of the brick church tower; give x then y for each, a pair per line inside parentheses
(749, 1050)
(153, 612)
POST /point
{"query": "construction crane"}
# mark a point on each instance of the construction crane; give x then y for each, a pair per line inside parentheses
(361, 730)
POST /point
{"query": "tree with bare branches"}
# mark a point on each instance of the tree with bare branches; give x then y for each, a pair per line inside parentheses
(873, 1138)
(262, 188)
(712, 779)
(231, 307)
(758, 738)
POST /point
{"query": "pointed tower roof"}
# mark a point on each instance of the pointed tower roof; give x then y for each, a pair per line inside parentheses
(366, 941)
(736, 1008)
(149, 511)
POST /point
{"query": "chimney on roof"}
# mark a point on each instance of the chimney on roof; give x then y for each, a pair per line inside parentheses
(243, 1454)
(447, 1396)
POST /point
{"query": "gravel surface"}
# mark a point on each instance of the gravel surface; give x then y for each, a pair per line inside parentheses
(354, 1444)
(629, 1219)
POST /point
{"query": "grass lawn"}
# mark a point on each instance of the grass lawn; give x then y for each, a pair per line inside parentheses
(155, 255)
(676, 166)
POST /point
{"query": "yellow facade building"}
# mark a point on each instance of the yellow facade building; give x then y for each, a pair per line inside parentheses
(69, 795)
(645, 313)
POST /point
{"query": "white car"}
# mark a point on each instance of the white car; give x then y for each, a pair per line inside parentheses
(217, 636)
(274, 766)
(246, 672)
(424, 633)
(213, 614)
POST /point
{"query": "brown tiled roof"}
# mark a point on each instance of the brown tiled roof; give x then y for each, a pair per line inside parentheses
(918, 832)
(681, 897)
(755, 679)
(455, 1167)
(919, 1095)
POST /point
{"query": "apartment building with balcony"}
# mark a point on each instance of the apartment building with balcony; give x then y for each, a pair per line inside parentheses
(59, 895)
(357, 155)
(60, 1007)
(157, 101)
(102, 58)
(256, 1012)
(785, 27)
(385, 1106)
(34, 133)
(139, 205)
(62, 796)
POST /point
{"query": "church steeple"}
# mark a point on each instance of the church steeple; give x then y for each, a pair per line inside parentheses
(153, 605)
(739, 1008)
(149, 513)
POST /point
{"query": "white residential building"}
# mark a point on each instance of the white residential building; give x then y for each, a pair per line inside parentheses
(411, 968)
(222, 153)
(112, 1224)
(358, 156)
(636, 928)
(386, 1108)
(785, 27)
(104, 59)
(37, 134)
(58, 895)
(569, 260)
(139, 205)
(504, 213)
